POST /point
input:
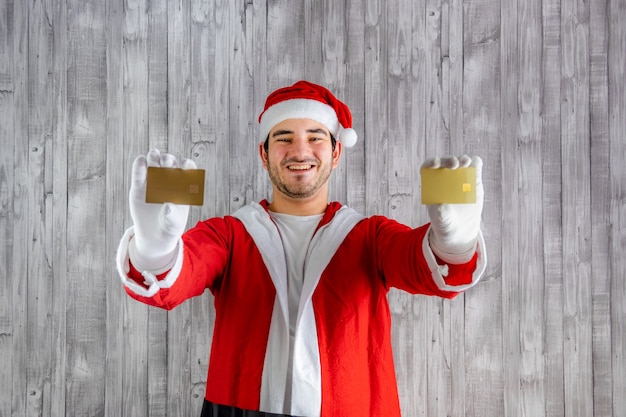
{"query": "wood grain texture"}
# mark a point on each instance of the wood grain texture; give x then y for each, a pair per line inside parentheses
(115, 208)
(8, 332)
(536, 88)
(576, 209)
(600, 255)
(58, 152)
(551, 194)
(617, 198)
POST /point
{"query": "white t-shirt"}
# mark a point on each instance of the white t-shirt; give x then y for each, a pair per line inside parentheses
(296, 233)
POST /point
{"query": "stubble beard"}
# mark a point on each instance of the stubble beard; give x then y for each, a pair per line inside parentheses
(298, 189)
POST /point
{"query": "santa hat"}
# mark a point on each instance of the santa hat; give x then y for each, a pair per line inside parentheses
(305, 100)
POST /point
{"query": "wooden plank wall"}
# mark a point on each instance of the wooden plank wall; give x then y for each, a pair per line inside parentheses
(535, 87)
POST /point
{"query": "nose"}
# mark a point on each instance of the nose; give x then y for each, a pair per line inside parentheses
(300, 148)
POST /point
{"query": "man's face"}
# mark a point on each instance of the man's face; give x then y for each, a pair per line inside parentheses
(300, 158)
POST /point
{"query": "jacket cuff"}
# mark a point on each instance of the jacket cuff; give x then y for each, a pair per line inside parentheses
(439, 272)
(152, 284)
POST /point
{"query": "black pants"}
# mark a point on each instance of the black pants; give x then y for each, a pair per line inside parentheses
(215, 410)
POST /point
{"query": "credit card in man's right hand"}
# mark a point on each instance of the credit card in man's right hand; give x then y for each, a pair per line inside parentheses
(448, 186)
(175, 185)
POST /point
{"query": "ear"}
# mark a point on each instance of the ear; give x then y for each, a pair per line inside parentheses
(263, 155)
(337, 154)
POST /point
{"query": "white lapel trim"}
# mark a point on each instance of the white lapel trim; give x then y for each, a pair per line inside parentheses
(267, 239)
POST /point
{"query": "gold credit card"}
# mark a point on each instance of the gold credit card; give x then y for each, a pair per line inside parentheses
(175, 185)
(448, 186)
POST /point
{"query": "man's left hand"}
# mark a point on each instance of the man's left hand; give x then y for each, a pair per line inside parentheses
(455, 227)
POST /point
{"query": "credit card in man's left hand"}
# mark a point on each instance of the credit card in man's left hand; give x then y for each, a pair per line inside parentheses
(448, 186)
(175, 185)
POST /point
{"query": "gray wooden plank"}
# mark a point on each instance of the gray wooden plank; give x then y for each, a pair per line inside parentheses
(577, 347)
(400, 112)
(57, 199)
(205, 104)
(512, 200)
(243, 148)
(617, 130)
(600, 210)
(154, 28)
(552, 228)
(375, 138)
(221, 99)
(6, 197)
(483, 124)
(354, 97)
(116, 207)
(285, 40)
(86, 150)
(531, 284)
(256, 13)
(7, 179)
(39, 256)
(7, 27)
(313, 33)
(19, 260)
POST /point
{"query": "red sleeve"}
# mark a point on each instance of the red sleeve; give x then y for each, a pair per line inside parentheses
(403, 264)
(205, 256)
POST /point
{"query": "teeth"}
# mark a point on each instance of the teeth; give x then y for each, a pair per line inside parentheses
(299, 167)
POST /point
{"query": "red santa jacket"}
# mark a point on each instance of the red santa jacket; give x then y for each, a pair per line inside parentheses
(342, 360)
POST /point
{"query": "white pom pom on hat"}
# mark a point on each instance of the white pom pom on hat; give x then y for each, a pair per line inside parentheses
(348, 137)
(305, 100)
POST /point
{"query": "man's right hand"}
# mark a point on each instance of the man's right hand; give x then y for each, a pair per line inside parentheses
(158, 227)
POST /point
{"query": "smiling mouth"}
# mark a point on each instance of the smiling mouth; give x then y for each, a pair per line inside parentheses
(300, 167)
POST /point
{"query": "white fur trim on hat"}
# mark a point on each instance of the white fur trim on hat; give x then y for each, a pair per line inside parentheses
(301, 109)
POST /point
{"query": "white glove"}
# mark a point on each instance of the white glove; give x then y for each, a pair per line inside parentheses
(455, 227)
(158, 227)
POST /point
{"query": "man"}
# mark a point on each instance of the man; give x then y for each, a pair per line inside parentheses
(302, 321)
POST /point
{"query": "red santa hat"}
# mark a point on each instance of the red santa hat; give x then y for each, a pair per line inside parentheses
(305, 100)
